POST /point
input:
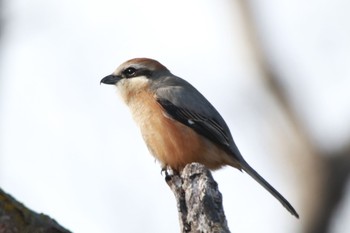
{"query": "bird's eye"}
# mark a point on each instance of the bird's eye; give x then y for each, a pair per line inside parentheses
(129, 72)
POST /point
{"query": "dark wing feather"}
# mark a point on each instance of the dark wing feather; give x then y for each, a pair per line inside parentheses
(207, 127)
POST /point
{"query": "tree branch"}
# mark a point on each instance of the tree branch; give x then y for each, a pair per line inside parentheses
(199, 201)
(15, 218)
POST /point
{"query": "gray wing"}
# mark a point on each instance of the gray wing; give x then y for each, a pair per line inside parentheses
(188, 106)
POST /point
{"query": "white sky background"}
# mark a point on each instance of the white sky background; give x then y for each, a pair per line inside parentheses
(68, 146)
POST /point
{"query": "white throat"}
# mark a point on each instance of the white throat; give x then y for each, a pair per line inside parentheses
(129, 88)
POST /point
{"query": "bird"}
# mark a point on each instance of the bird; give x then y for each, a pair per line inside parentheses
(178, 124)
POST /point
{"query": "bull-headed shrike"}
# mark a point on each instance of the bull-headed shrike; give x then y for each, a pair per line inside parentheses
(177, 122)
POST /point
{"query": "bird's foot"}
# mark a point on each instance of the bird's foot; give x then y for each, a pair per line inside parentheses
(166, 172)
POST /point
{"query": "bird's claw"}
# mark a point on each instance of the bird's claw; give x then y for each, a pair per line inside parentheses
(165, 170)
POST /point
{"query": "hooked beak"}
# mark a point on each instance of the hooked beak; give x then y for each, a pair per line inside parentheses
(110, 79)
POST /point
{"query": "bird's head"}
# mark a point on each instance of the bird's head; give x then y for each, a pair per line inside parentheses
(136, 75)
(135, 69)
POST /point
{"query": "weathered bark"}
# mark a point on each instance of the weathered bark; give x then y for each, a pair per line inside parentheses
(16, 218)
(199, 201)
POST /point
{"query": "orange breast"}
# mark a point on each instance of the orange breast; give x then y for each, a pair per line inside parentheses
(171, 142)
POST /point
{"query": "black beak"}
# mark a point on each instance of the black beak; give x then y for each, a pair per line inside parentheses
(110, 79)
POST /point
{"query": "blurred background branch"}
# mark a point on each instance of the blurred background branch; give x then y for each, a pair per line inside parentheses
(322, 175)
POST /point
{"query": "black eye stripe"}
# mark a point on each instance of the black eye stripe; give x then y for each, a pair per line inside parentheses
(132, 72)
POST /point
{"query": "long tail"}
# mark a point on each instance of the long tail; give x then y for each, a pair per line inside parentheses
(248, 169)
